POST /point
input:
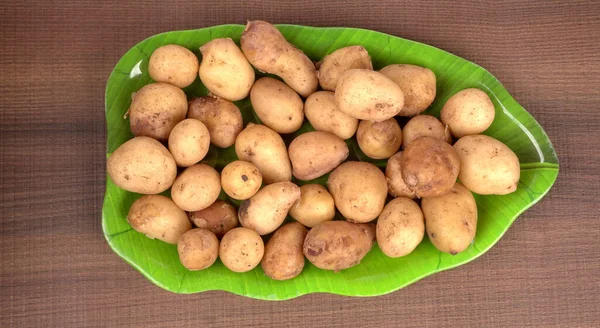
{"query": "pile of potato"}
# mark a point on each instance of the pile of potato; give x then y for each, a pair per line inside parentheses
(417, 192)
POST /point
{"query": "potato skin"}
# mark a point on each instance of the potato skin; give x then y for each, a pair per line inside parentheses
(488, 167)
(283, 258)
(219, 218)
(198, 249)
(314, 206)
(266, 211)
(173, 64)
(142, 165)
(417, 84)
(277, 105)
(158, 217)
(196, 188)
(189, 142)
(393, 173)
(451, 219)
(359, 190)
(322, 113)
(468, 112)
(241, 249)
(316, 153)
(267, 49)
(241, 180)
(400, 227)
(224, 70)
(425, 126)
(379, 140)
(222, 118)
(338, 245)
(333, 65)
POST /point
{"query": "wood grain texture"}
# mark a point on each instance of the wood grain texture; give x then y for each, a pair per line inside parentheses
(57, 270)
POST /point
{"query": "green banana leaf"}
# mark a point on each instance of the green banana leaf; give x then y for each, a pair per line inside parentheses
(376, 274)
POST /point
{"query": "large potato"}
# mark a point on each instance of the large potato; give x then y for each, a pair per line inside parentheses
(158, 217)
(314, 154)
(468, 112)
(283, 258)
(224, 70)
(196, 188)
(359, 190)
(315, 205)
(487, 166)
(338, 245)
(333, 65)
(142, 165)
(400, 227)
(241, 249)
(393, 173)
(219, 218)
(266, 211)
(173, 64)
(451, 219)
(268, 51)
(425, 126)
(155, 109)
(368, 95)
(264, 148)
(198, 249)
(189, 142)
(379, 140)
(322, 113)
(417, 84)
(277, 105)
(241, 179)
(222, 119)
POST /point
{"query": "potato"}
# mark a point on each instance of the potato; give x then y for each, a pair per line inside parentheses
(368, 95)
(488, 167)
(173, 64)
(155, 109)
(359, 190)
(379, 140)
(268, 51)
(264, 148)
(333, 65)
(429, 167)
(322, 113)
(417, 84)
(400, 227)
(425, 126)
(314, 206)
(158, 217)
(266, 211)
(316, 153)
(283, 258)
(241, 180)
(222, 119)
(198, 249)
(142, 165)
(224, 70)
(196, 188)
(393, 173)
(189, 142)
(468, 112)
(219, 218)
(338, 245)
(241, 249)
(451, 219)
(277, 105)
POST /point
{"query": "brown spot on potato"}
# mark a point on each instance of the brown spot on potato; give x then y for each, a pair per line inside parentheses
(244, 177)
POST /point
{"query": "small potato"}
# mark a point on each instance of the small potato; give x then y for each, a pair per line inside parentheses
(425, 126)
(393, 173)
(451, 219)
(159, 218)
(155, 109)
(400, 227)
(142, 165)
(315, 205)
(219, 218)
(379, 140)
(198, 249)
(277, 105)
(222, 119)
(267, 49)
(488, 167)
(196, 188)
(314, 154)
(359, 190)
(333, 65)
(241, 180)
(173, 64)
(241, 249)
(468, 112)
(417, 84)
(266, 211)
(368, 95)
(338, 245)
(429, 167)
(264, 148)
(322, 113)
(283, 258)
(189, 142)
(224, 70)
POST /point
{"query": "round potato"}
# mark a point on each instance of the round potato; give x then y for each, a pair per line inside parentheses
(393, 173)
(417, 84)
(241, 180)
(219, 218)
(222, 119)
(266, 211)
(322, 113)
(189, 142)
(315, 205)
(316, 153)
(488, 167)
(333, 65)
(425, 126)
(158, 217)
(283, 258)
(400, 227)
(277, 105)
(196, 188)
(241, 249)
(142, 165)
(379, 140)
(173, 64)
(468, 112)
(198, 249)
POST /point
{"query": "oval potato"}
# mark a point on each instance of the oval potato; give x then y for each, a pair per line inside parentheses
(241, 249)
(314, 206)
(316, 153)
(219, 218)
(222, 118)
(189, 142)
(393, 173)
(266, 211)
(468, 112)
(379, 140)
(333, 65)
(277, 105)
(241, 180)
(158, 217)
(196, 188)
(322, 113)
(425, 126)
(417, 84)
(173, 64)
(198, 249)
(283, 258)
(400, 227)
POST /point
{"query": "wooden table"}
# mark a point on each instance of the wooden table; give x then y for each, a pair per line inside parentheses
(58, 271)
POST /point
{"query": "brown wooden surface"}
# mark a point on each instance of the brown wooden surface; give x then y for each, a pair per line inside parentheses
(58, 271)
